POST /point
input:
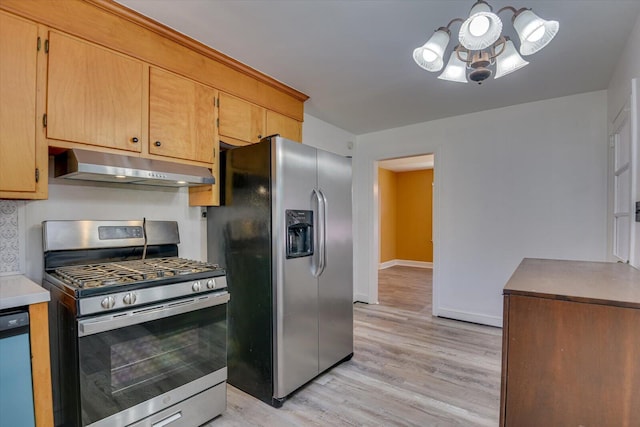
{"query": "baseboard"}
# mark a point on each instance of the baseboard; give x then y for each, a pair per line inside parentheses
(361, 298)
(466, 316)
(405, 263)
(387, 264)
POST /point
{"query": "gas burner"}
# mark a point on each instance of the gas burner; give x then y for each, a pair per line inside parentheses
(130, 272)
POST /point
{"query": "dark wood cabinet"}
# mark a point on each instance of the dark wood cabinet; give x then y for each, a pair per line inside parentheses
(571, 345)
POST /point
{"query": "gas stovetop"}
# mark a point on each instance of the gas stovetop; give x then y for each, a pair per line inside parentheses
(104, 287)
(132, 272)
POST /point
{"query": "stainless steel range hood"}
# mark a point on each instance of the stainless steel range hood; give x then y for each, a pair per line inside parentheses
(104, 167)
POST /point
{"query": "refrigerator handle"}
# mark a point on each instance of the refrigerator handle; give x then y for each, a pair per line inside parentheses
(323, 231)
(319, 254)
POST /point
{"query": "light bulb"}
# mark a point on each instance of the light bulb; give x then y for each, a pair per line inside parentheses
(536, 34)
(479, 25)
(429, 55)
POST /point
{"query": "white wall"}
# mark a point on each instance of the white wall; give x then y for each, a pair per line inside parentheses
(618, 93)
(524, 181)
(96, 201)
(327, 137)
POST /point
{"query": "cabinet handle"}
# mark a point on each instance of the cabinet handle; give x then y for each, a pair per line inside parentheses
(158, 143)
(259, 136)
(134, 139)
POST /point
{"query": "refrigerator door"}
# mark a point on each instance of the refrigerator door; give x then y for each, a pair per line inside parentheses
(296, 290)
(335, 287)
(239, 239)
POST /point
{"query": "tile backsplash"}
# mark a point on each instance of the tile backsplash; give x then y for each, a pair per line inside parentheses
(9, 237)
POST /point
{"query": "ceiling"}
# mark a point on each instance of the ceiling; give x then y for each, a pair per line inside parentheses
(353, 57)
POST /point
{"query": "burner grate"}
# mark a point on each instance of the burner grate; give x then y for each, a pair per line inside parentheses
(127, 272)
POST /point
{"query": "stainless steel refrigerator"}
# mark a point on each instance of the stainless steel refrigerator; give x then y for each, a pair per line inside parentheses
(283, 234)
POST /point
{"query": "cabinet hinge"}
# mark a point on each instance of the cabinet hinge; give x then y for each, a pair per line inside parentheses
(218, 102)
(217, 122)
(46, 46)
(44, 120)
(37, 175)
(39, 44)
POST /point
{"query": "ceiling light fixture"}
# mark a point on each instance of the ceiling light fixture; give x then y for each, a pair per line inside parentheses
(482, 44)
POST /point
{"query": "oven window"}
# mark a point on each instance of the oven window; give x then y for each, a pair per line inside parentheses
(124, 367)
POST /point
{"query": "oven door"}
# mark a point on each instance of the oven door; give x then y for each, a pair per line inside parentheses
(136, 363)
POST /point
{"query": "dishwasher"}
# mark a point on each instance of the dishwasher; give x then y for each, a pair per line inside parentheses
(16, 388)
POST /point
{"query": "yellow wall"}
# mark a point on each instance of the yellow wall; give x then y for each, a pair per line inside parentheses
(406, 215)
(387, 200)
(414, 215)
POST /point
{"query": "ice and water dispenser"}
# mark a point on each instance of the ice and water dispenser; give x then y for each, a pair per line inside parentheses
(299, 233)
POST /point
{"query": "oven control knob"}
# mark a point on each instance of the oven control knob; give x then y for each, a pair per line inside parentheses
(196, 287)
(211, 283)
(108, 302)
(129, 298)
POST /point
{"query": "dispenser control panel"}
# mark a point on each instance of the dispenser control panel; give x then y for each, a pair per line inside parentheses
(299, 233)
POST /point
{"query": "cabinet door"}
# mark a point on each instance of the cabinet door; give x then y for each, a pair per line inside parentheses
(570, 363)
(283, 125)
(94, 95)
(240, 120)
(18, 136)
(182, 117)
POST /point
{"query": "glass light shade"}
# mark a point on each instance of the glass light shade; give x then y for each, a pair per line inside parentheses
(534, 32)
(509, 61)
(455, 71)
(430, 56)
(481, 29)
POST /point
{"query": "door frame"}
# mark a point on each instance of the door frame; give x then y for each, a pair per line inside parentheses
(374, 229)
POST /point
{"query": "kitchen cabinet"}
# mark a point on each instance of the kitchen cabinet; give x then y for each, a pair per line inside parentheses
(283, 125)
(182, 118)
(23, 149)
(109, 84)
(571, 345)
(94, 95)
(243, 123)
(18, 291)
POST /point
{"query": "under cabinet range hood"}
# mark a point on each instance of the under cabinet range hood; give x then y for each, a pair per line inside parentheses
(115, 168)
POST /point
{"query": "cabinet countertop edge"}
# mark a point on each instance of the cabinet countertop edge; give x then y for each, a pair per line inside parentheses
(593, 282)
(19, 291)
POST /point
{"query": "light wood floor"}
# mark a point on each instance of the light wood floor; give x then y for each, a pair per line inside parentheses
(408, 369)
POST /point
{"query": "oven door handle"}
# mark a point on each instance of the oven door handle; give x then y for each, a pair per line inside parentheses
(99, 324)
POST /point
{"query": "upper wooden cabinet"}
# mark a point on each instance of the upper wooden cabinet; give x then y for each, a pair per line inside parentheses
(95, 96)
(283, 125)
(23, 151)
(242, 122)
(117, 81)
(182, 117)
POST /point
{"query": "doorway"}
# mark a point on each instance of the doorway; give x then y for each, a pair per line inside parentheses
(405, 228)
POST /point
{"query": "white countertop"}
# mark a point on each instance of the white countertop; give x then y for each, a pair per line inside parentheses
(18, 291)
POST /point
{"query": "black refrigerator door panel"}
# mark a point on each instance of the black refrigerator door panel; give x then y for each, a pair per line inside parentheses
(239, 239)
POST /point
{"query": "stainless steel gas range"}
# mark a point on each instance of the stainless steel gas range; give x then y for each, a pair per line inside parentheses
(138, 335)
